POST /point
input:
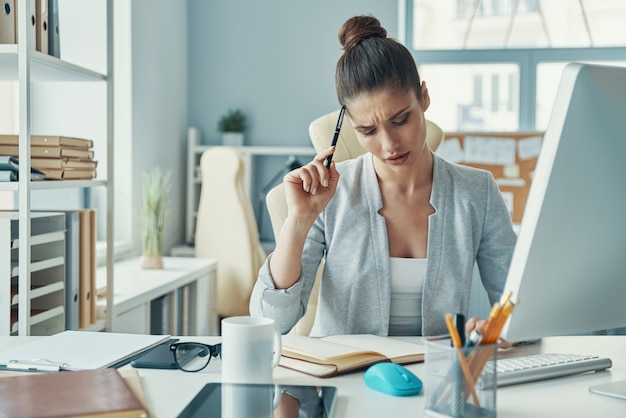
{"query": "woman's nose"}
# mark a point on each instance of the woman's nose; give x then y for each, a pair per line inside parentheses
(388, 142)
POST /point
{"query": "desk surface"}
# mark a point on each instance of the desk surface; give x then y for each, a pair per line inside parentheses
(135, 286)
(168, 391)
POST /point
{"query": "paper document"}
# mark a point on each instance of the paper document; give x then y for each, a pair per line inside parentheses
(80, 350)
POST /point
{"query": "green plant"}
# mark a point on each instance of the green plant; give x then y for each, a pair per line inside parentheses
(155, 188)
(232, 121)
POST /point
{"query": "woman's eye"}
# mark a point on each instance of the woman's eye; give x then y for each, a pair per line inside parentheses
(402, 120)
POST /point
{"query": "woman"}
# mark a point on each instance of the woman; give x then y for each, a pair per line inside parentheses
(399, 227)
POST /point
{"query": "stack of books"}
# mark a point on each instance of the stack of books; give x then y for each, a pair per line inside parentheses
(57, 157)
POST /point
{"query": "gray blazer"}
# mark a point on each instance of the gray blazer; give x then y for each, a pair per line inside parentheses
(471, 224)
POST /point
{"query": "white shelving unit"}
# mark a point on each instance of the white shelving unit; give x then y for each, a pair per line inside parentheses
(47, 267)
(21, 63)
(194, 180)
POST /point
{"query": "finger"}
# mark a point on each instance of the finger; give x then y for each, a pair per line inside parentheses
(504, 344)
(474, 324)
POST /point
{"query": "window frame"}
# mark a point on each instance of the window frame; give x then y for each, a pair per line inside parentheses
(525, 58)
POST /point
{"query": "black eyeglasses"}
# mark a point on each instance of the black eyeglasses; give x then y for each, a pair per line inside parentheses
(193, 357)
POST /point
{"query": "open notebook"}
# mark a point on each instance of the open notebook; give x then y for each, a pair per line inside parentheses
(337, 354)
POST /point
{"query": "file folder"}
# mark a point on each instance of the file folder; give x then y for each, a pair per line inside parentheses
(41, 30)
(54, 45)
(7, 22)
(32, 21)
(86, 260)
(72, 270)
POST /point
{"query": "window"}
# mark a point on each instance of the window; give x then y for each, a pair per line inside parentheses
(494, 65)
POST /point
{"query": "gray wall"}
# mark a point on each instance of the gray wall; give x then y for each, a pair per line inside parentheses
(159, 101)
(274, 59)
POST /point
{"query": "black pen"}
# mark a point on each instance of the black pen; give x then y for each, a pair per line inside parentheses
(459, 323)
(336, 134)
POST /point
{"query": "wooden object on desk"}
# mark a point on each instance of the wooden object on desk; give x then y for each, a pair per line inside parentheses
(93, 393)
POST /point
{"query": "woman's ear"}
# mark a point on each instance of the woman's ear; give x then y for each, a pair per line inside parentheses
(425, 96)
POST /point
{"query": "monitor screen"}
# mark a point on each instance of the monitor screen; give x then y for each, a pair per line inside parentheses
(568, 269)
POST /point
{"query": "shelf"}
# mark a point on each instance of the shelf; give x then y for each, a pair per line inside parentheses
(41, 239)
(53, 184)
(37, 291)
(44, 67)
(36, 316)
(38, 265)
(264, 150)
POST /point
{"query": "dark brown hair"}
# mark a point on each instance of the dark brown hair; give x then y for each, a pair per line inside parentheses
(371, 61)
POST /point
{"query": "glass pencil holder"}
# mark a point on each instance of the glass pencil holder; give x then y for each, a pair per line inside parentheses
(459, 382)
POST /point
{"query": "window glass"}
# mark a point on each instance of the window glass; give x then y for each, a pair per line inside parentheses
(548, 79)
(467, 24)
(476, 97)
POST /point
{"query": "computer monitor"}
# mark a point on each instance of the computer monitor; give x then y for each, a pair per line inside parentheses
(569, 265)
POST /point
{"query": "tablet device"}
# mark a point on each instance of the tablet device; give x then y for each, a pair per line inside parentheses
(158, 357)
(615, 389)
(238, 400)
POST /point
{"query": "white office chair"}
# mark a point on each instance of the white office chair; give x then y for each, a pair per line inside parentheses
(348, 146)
(226, 229)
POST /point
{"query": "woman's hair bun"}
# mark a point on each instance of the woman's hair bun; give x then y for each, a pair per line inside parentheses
(358, 28)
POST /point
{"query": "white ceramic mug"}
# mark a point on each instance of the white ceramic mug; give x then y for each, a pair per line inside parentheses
(251, 349)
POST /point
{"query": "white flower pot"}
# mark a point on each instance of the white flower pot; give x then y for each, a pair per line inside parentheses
(232, 139)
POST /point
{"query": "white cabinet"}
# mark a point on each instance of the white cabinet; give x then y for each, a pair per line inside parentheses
(22, 64)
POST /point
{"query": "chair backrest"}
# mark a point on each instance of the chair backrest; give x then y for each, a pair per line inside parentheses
(348, 146)
(226, 229)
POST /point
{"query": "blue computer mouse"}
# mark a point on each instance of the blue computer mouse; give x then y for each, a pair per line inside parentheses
(392, 379)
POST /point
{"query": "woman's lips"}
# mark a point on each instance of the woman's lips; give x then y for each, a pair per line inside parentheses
(398, 159)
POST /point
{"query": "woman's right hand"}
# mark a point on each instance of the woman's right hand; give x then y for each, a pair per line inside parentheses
(308, 189)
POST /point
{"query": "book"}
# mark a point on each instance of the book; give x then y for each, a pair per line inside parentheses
(85, 393)
(69, 174)
(63, 163)
(49, 141)
(338, 354)
(49, 152)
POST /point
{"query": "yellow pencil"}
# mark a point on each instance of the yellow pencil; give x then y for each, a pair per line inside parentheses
(456, 342)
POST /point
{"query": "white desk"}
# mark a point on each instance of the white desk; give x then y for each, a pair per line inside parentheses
(562, 397)
(168, 391)
(136, 288)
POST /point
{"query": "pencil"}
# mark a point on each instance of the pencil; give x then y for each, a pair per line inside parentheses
(456, 341)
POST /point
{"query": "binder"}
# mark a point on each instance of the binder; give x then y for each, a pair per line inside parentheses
(32, 21)
(72, 270)
(54, 45)
(7, 22)
(41, 30)
(92, 265)
(86, 261)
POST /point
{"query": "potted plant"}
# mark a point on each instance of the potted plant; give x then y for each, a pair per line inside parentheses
(232, 126)
(155, 190)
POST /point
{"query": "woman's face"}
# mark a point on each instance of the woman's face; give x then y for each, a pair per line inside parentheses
(391, 125)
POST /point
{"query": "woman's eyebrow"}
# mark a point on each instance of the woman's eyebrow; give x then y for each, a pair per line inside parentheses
(395, 115)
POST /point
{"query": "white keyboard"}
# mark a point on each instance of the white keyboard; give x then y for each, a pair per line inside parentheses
(533, 367)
